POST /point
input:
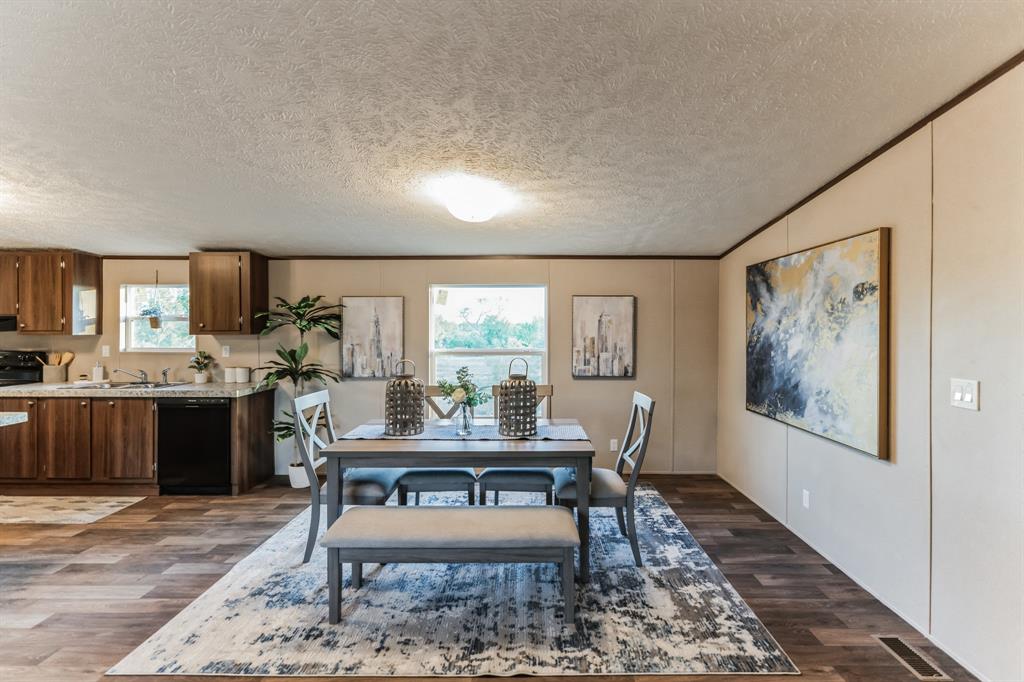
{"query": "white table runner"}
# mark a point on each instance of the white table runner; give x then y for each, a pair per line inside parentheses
(444, 430)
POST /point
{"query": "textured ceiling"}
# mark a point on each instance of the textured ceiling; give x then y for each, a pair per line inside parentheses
(302, 127)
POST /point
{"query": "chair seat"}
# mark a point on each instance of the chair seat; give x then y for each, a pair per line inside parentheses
(457, 476)
(496, 477)
(369, 485)
(606, 486)
(453, 528)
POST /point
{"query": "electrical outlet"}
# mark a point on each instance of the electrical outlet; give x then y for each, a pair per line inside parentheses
(613, 445)
(807, 499)
(105, 351)
(963, 393)
(225, 351)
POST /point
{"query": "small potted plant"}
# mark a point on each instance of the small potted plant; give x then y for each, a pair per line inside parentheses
(201, 363)
(465, 395)
(153, 312)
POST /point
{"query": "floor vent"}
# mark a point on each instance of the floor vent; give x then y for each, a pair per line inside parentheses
(915, 661)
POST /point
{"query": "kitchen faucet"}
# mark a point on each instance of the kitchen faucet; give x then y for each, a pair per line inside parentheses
(163, 373)
(141, 376)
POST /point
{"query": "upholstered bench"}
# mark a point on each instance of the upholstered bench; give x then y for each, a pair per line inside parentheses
(450, 535)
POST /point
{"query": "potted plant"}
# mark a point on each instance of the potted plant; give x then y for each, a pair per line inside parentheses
(152, 311)
(306, 315)
(201, 362)
(465, 395)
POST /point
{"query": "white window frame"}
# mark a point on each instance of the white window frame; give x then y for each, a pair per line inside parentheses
(124, 339)
(528, 353)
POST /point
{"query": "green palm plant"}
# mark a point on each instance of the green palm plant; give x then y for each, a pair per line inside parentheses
(306, 315)
(292, 366)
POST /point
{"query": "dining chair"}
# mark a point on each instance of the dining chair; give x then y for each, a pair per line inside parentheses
(362, 485)
(438, 480)
(607, 489)
(512, 479)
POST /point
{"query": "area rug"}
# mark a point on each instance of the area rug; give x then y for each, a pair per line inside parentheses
(60, 510)
(268, 616)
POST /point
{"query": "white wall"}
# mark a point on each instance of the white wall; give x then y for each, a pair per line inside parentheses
(874, 518)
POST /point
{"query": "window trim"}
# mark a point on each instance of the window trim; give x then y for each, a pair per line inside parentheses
(124, 331)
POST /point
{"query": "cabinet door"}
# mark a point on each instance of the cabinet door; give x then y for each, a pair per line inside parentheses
(215, 304)
(64, 441)
(8, 284)
(18, 442)
(40, 293)
(123, 437)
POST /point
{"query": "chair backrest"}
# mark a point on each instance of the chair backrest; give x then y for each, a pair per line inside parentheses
(435, 410)
(306, 430)
(544, 392)
(638, 433)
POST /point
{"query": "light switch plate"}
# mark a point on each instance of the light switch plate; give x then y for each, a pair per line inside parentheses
(225, 351)
(963, 393)
(105, 351)
(613, 445)
(807, 499)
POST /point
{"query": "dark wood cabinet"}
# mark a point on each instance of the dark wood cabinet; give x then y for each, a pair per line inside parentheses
(41, 293)
(8, 283)
(226, 291)
(18, 457)
(64, 438)
(124, 439)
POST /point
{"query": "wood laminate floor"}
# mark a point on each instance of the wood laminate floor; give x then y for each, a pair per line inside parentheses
(75, 599)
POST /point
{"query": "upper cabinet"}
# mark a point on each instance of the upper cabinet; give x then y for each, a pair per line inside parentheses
(226, 291)
(52, 292)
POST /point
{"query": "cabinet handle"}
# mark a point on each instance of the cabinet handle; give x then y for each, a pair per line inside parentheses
(31, 403)
(201, 325)
(22, 325)
(83, 403)
(111, 403)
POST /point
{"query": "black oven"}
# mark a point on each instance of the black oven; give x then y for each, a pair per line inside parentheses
(21, 367)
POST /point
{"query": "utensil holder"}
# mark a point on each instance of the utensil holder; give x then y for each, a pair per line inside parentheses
(55, 374)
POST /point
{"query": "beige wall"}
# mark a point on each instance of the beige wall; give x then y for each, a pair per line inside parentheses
(874, 518)
(676, 353)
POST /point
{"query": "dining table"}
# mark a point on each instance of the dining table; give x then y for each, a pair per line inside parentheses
(481, 449)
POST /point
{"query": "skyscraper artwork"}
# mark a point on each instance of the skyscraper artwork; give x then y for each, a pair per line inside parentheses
(372, 336)
(603, 336)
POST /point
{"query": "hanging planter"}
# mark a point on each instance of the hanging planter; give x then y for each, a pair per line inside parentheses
(152, 312)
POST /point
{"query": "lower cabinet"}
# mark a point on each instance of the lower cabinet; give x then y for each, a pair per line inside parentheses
(64, 438)
(124, 439)
(18, 452)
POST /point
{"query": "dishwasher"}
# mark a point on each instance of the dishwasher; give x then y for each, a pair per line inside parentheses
(194, 446)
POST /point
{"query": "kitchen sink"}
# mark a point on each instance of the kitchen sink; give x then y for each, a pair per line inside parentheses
(118, 385)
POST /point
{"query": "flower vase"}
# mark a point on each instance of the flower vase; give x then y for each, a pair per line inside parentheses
(463, 421)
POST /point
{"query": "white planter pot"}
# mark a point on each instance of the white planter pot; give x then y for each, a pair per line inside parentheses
(200, 378)
(297, 476)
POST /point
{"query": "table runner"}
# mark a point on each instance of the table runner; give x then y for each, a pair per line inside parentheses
(444, 430)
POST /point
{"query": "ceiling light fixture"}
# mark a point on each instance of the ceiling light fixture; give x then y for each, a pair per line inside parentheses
(469, 197)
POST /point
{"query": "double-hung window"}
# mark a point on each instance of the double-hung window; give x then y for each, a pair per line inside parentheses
(167, 306)
(484, 328)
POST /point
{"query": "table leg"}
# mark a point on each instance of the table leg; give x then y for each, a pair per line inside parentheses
(334, 488)
(583, 514)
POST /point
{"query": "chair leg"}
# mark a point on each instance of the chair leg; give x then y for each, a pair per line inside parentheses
(620, 514)
(403, 495)
(495, 498)
(483, 494)
(547, 496)
(471, 488)
(417, 498)
(334, 585)
(314, 530)
(631, 525)
(357, 576)
(569, 585)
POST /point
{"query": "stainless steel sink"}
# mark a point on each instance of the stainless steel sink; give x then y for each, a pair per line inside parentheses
(119, 385)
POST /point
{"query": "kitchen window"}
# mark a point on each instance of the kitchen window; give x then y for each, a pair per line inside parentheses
(484, 328)
(167, 303)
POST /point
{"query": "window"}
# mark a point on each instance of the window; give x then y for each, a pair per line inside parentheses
(483, 328)
(138, 335)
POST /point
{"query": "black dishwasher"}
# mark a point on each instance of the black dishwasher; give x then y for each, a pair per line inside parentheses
(194, 446)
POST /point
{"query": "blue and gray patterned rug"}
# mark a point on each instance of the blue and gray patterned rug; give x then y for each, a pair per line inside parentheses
(677, 615)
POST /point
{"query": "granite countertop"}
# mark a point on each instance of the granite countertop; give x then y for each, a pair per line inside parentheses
(210, 390)
(12, 418)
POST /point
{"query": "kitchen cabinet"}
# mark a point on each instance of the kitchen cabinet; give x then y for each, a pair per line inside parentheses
(226, 291)
(8, 283)
(124, 439)
(18, 442)
(52, 292)
(64, 438)
(40, 293)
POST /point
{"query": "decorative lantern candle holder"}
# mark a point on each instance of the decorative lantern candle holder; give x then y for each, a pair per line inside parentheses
(517, 404)
(403, 402)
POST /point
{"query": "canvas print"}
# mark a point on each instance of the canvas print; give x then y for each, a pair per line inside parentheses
(371, 336)
(603, 336)
(817, 340)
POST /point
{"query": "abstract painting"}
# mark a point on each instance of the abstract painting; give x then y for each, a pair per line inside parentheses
(372, 336)
(603, 336)
(818, 338)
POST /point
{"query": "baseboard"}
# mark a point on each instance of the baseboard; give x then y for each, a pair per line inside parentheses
(964, 664)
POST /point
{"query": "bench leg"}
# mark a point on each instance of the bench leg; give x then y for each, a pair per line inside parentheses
(334, 585)
(357, 576)
(568, 567)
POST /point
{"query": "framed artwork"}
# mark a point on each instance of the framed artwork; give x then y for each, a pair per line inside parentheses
(603, 337)
(372, 336)
(818, 340)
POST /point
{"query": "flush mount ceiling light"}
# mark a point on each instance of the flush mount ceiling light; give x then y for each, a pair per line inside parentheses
(470, 197)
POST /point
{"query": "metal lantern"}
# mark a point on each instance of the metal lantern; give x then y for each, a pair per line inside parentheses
(517, 403)
(403, 402)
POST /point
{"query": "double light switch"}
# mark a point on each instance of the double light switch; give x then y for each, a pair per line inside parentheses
(963, 393)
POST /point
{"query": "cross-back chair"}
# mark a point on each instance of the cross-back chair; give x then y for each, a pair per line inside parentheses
(312, 416)
(526, 480)
(607, 489)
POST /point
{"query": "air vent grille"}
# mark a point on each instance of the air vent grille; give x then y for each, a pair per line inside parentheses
(915, 661)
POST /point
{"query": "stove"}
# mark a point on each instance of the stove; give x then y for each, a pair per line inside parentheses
(21, 367)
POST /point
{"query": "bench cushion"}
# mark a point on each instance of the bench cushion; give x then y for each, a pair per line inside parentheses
(453, 527)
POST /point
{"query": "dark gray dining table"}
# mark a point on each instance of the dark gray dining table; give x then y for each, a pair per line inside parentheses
(403, 453)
